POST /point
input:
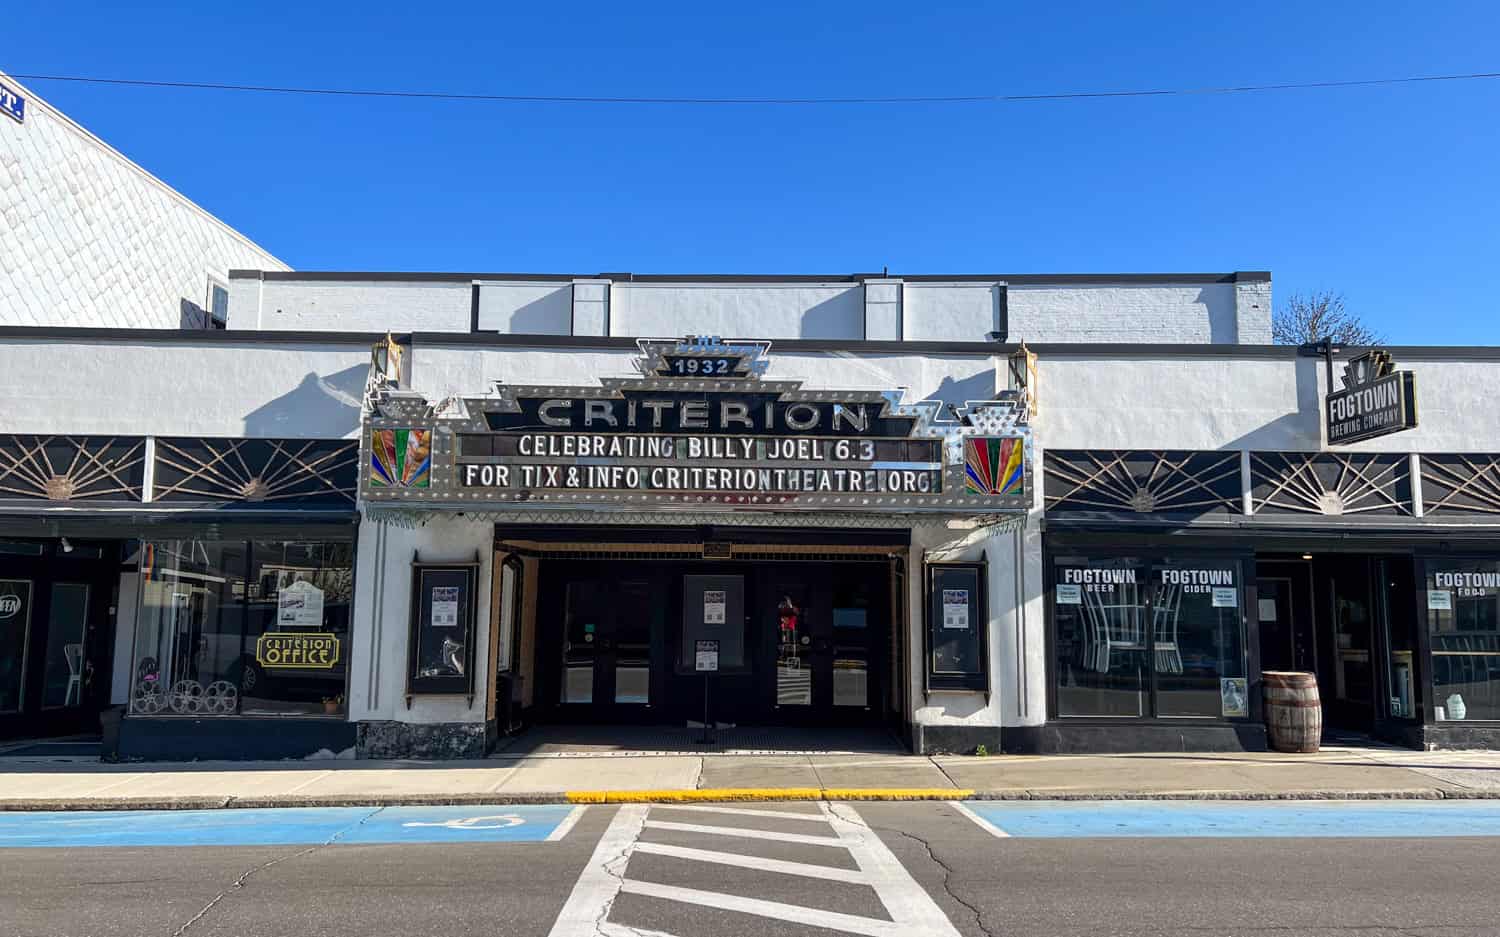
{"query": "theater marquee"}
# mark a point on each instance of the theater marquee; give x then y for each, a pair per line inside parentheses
(699, 427)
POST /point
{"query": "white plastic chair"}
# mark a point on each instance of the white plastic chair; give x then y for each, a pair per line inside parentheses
(73, 654)
(1164, 615)
(1111, 626)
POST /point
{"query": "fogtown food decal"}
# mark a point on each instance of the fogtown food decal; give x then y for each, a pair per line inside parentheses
(699, 426)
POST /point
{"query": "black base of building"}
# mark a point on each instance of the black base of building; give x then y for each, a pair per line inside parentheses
(954, 740)
(1444, 735)
(1063, 738)
(243, 738)
(439, 740)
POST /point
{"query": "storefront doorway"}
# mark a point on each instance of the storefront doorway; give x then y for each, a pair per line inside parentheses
(1350, 619)
(56, 635)
(798, 642)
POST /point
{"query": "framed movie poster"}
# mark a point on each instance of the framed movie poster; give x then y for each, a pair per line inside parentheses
(440, 651)
(956, 632)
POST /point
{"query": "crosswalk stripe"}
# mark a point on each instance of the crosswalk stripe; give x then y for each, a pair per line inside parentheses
(797, 914)
(807, 869)
(599, 882)
(747, 812)
(608, 929)
(908, 903)
(743, 833)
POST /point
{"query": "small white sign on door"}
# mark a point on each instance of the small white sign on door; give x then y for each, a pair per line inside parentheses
(1069, 594)
(955, 609)
(706, 656)
(714, 605)
(1267, 609)
(1226, 597)
(1440, 600)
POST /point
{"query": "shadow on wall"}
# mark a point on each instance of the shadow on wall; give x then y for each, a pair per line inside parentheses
(1223, 325)
(1301, 430)
(318, 407)
(548, 315)
(835, 317)
(980, 386)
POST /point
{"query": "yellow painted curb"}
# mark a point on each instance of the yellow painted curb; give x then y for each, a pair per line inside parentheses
(765, 794)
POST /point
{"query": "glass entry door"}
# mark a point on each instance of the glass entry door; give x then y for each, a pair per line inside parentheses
(827, 624)
(608, 629)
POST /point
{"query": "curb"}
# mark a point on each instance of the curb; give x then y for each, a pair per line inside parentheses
(720, 795)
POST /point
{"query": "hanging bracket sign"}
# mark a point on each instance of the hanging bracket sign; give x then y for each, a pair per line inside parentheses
(1376, 400)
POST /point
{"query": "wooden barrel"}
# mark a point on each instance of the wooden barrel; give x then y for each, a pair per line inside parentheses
(1294, 714)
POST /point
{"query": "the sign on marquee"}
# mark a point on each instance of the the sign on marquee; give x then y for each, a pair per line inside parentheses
(700, 427)
(1376, 400)
(12, 103)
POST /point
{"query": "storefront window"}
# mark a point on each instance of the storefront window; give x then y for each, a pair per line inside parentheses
(231, 627)
(1463, 618)
(1139, 638)
(1103, 662)
(1197, 639)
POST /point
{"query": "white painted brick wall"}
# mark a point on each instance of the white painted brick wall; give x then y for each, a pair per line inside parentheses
(88, 238)
(1189, 313)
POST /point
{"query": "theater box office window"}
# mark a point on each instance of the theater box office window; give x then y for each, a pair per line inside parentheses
(242, 627)
(1142, 636)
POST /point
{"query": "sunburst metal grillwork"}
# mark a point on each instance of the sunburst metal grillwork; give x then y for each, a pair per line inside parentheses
(257, 470)
(72, 468)
(1460, 484)
(1142, 481)
(1330, 484)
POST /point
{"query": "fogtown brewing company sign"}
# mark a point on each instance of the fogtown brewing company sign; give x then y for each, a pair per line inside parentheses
(699, 427)
(1376, 399)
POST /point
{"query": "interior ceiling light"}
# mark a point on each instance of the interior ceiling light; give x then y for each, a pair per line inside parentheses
(1307, 556)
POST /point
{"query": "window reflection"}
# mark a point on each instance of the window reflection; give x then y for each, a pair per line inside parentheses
(1463, 615)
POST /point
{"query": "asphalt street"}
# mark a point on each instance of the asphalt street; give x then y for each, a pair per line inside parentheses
(880, 869)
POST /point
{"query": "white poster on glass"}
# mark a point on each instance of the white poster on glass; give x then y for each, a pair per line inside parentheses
(1226, 597)
(444, 606)
(956, 609)
(299, 607)
(1440, 600)
(1069, 594)
(714, 605)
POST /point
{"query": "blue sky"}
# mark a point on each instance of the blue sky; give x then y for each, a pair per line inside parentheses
(1388, 194)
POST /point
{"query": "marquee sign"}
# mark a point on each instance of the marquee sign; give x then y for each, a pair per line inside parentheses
(1376, 400)
(699, 427)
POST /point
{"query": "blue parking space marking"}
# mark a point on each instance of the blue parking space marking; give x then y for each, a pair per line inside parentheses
(288, 826)
(1385, 819)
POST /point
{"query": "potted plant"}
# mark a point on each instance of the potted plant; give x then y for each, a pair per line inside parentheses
(332, 704)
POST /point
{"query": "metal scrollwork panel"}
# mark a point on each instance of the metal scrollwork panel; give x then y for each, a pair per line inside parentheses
(72, 468)
(1142, 481)
(282, 471)
(1331, 484)
(1455, 483)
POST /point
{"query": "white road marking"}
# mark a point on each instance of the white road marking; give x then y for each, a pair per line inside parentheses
(747, 812)
(743, 833)
(599, 884)
(908, 903)
(567, 824)
(807, 869)
(912, 912)
(796, 913)
(983, 824)
(497, 822)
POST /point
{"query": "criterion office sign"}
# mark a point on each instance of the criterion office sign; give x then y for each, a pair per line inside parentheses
(1376, 400)
(700, 427)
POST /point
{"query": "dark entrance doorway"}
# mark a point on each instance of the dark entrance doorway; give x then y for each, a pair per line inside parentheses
(56, 635)
(1346, 618)
(804, 643)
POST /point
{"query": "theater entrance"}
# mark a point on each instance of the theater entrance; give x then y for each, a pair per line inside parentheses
(798, 638)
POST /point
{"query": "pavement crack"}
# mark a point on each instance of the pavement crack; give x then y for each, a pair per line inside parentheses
(972, 908)
(943, 771)
(614, 867)
(245, 876)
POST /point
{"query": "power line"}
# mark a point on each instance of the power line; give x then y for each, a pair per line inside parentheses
(923, 99)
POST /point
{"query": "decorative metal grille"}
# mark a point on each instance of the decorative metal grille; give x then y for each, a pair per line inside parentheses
(1460, 484)
(1142, 481)
(72, 468)
(1330, 484)
(309, 472)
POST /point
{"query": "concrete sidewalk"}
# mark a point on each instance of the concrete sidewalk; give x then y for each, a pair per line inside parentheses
(1342, 773)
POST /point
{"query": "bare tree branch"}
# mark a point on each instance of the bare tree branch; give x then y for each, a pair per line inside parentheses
(1313, 317)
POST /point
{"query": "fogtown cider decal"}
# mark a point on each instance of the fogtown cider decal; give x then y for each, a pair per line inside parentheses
(1376, 400)
(700, 426)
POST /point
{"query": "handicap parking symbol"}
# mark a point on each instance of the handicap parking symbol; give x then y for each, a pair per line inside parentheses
(496, 822)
